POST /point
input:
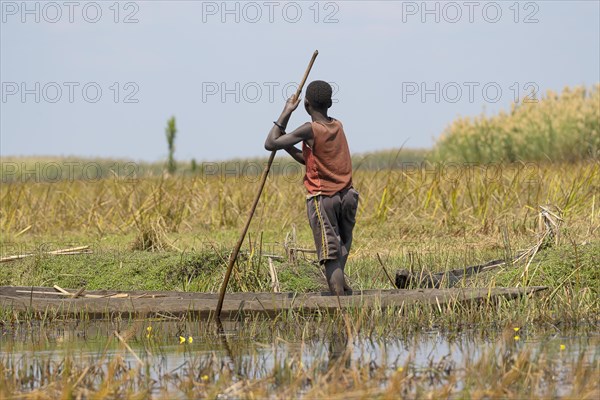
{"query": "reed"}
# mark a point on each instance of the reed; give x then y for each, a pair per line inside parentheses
(558, 127)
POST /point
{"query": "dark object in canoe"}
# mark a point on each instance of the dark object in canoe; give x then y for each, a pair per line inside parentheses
(406, 280)
(144, 304)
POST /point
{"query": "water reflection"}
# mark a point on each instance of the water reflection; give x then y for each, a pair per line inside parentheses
(245, 350)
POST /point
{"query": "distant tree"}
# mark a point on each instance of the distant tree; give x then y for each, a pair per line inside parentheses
(194, 165)
(171, 131)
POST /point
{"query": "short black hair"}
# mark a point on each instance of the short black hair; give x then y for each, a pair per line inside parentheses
(318, 94)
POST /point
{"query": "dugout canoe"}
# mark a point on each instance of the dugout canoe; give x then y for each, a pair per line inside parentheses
(99, 304)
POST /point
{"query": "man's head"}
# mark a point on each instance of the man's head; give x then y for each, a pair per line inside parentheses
(318, 96)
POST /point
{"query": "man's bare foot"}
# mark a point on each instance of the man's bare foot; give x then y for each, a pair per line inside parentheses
(347, 288)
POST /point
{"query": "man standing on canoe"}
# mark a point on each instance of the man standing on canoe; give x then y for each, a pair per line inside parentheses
(331, 201)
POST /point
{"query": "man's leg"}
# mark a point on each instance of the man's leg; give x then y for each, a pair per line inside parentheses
(323, 213)
(347, 287)
(343, 260)
(346, 221)
(335, 276)
(334, 268)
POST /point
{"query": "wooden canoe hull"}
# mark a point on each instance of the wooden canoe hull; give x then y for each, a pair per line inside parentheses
(145, 304)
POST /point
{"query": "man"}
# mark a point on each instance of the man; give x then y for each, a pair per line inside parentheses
(331, 201)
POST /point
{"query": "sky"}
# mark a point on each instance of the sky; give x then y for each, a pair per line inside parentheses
(101, 79)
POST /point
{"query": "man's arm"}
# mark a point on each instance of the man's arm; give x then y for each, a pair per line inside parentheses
(296, 154)
(277, 139)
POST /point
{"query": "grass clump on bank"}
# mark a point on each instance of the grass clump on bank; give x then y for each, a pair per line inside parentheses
(200, 271)
(118, 270)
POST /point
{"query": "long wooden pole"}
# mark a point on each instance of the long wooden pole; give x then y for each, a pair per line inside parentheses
(263, 179)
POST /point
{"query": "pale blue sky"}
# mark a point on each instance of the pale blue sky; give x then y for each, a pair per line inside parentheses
(179, 53)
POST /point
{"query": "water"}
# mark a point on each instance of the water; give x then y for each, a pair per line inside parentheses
(259, 351)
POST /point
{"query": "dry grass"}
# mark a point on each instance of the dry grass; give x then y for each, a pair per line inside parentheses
(437, 197)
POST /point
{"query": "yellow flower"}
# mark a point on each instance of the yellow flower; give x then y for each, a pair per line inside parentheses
(517, 338)
(562, 347)
(516, 329)
(204, 378)
(149, 329)
(181, 339)
(400, 369)
(190, 340)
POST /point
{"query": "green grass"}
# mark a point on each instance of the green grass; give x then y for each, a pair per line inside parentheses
(569, 264)
(165, 270)
(556, 127)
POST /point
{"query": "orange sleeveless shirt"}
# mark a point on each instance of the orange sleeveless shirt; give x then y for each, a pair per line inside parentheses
(328, 163)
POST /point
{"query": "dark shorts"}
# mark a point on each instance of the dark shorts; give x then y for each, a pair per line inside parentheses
(332, 220)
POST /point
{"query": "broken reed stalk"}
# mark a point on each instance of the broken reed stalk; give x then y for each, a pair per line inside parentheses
(129, 349)
(385, 270)
(60, 252)
(80, 294)
(263, 180)
(274, 279)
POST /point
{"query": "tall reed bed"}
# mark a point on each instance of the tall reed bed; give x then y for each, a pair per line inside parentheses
(556, 126)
